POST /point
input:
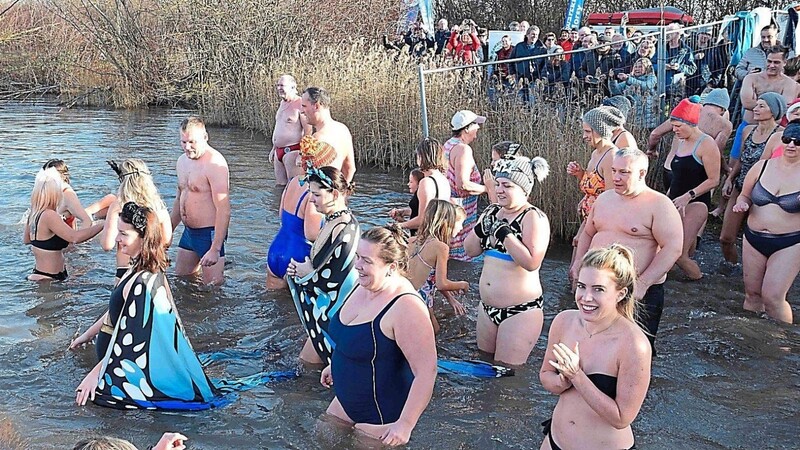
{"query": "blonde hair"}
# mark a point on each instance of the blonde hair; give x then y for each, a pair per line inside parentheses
(393, 245)
(47, 194)
(136, 185)
(617, 259)
(439, 220)
(59, 165)
(104, 443)
(192, 122)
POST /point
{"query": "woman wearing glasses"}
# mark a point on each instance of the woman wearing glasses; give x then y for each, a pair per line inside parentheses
(771, 254)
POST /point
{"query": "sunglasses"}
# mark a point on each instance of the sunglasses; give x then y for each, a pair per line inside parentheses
(787, 140)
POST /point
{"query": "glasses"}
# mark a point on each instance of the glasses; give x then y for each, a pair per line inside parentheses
(790, 140)
(551, 39)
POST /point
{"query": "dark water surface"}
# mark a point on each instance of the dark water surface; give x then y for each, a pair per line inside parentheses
(722, 378)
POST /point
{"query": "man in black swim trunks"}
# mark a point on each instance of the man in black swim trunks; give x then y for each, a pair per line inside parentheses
(645, 220)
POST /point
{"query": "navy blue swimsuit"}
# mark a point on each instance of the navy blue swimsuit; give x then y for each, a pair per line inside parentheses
(371, 375)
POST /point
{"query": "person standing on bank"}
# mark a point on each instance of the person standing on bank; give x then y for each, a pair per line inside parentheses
(514, 236)
(463, 175)
(202, 203)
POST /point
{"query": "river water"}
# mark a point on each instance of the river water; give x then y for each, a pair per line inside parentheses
(722, 378)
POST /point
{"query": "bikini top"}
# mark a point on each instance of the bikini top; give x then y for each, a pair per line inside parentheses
(498, 250)
(761, 196)
(606, 383)
(55, 243)
(418, 254)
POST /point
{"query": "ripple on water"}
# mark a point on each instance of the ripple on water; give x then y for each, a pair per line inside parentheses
(720, 374)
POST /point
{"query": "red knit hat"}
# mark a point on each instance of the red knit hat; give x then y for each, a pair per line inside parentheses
(687, 112)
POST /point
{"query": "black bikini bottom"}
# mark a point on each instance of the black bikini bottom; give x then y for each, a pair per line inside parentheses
(60, 276)
(546, 430)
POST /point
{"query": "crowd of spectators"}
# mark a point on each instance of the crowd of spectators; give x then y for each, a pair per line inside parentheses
(587, 65)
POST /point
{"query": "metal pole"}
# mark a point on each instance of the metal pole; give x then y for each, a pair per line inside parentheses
(423, 104)
(662, 72)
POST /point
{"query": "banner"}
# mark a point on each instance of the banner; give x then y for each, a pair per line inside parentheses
(574, 14)
(417, 10)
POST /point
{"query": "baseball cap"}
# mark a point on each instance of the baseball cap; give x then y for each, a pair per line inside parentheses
(465, 117)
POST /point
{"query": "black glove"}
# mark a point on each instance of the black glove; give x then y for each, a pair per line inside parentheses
(483, 228)
(501, 232)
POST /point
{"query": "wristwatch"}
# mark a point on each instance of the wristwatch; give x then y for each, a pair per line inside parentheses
(692, 194)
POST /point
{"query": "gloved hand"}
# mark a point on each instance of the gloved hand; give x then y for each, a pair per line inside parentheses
(502, 231)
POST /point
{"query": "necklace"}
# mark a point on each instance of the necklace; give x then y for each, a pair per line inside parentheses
(336, 215)
(598, 332)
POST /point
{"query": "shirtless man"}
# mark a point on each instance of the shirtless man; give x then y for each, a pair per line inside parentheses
(645, 220)
(770, 80)
(316, 105)
(202, 204)
(290, 126)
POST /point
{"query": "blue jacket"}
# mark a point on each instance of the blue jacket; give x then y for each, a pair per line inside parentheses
(532, 69)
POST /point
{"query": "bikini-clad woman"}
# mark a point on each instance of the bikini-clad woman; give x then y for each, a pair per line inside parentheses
(46, 231)
(514, 236)
(597, 359)
(771, 249)
(434, 185)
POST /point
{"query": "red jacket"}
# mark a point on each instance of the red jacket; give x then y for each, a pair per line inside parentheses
(501, 55)
(566, 44)
(464, 51)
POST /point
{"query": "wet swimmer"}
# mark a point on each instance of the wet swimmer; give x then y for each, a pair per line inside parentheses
(316, 107)
(147, 360)
(384, 366)
(433, 185)
(300, 220)
(135, 185)
(695, 172)
(771, 254)
(290, 127)
(644, 220)
(202, 204)
(412, 210)
(513, 235)
(428, 255)
(70, 207)
(597, 125)
(46, 231)
(463, 174)
(597, 359)
(321, 282)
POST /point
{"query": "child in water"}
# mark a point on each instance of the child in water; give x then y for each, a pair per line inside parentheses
(428, 255)
(412, 210)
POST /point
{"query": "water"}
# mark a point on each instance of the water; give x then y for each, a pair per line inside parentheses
(722, 379)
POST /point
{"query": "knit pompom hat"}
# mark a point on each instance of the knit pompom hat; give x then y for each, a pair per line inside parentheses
(522, 171)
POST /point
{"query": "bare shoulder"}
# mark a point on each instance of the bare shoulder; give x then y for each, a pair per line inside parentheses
(217, 157)
(564, 320)
(409, 305)
(636, 344)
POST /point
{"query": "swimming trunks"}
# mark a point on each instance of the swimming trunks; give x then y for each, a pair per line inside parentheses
(290, 242)
(55, 243)
(280, 152)
(688, 172)
(650, 316)
(199, 240)
(60, 276)
(373, 377)
(498, 315)
(769, 243)
(592, 185)
(760, 196)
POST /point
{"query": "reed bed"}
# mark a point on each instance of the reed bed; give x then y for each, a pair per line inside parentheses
(222, 58)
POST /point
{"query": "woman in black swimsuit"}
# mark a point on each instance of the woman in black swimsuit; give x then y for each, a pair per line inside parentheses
(46, 231)
(591, 351)
(434, 184)
(771, 244)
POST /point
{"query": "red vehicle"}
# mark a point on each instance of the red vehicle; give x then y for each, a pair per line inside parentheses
(648, 16)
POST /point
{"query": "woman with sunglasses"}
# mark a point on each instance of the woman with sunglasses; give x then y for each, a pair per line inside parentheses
(135, 185)
(771, 248)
